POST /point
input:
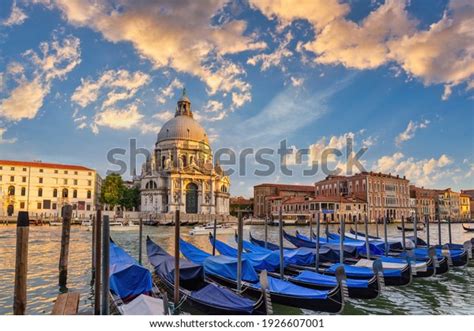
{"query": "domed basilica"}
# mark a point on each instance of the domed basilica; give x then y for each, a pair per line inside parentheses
(181, 175)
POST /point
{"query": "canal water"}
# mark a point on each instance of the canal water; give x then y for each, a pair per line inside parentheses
(452, 293)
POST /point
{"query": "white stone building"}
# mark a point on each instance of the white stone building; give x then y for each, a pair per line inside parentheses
(181, 175)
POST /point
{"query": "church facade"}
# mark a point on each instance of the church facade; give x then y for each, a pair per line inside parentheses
(180, 174)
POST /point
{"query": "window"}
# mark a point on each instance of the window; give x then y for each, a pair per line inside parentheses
(65, 193)
(24, 169)
(11, 190)
(22, 205)
(75, 172)
(88, 207)
(74, 194)
(1, 168)
(23, 179)
(65, 181)
(54, 206)
(40, 180)
(41, 170)
(65, 172)
(89, 182)
(13, 168)
(55, 193)
(39, 205)
(0, 178)
(23, 191)
(55, 171)
(75, 181)
(12, 178)
(89, 195)
(40, 192)
(90, 174)
(47, 204)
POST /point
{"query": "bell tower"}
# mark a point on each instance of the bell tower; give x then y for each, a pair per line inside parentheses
(184, 106)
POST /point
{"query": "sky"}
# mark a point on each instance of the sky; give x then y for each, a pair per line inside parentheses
(79, 78)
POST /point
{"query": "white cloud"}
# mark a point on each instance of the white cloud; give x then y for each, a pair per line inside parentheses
(56, 60)
(421, 172)
(275, 58)
(4, 140)
(24, 101)
(119, 84)
(213, 106)
(176, 34)
(410, 131)
(296, 81)
(168, 92)
(164, 116)
(17, 16)
(441, 54)
(118, 119)
(335, 142)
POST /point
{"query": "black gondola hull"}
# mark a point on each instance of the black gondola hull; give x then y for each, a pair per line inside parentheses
(332, 304)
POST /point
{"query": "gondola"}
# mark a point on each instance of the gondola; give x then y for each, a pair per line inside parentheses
(358, 288)
(131, 288)
(467, 228)
(458, 255)
(394, 242)
(411, 227)
(422, 267)
(196, 291)
(393, 277)
(441, 265)
(223, 269)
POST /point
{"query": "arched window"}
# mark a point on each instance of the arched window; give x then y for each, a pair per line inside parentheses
(55, 193)
(89, 195)
(11, 190)
(183, 159)
(23, 191)
(40, 192)
(224, 188)
(65, 193)
(151, 185)
(163, 161)
(74, 194)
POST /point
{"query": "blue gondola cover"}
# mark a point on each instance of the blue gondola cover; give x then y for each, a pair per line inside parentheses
(127, 278)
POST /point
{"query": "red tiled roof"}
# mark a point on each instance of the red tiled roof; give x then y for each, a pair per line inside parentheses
(38, 164)
(288, 187)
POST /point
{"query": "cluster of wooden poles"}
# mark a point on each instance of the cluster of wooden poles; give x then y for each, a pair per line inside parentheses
(100, 253)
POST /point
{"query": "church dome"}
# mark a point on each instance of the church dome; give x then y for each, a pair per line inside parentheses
(183, 126)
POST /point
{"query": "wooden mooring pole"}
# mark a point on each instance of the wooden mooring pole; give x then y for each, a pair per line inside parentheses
(240, 233)
(21, 264)
(93, 250)
(214, 235)
(140, 240)
(176, 257)
(105, 265)
(64, 254)
(280, 237)
(98, 260)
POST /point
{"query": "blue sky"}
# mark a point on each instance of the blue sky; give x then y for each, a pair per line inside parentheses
(78, 78)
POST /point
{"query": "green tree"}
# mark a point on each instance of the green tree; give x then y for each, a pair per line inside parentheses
(112, 190)
(130, 198)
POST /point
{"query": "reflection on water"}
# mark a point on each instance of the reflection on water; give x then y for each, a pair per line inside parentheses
(452, 293)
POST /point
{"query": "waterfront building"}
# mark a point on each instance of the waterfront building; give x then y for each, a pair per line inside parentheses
(180, 174)
(264, 192)
(424, 202)
(241, 204)
(300, 209)
(470, 193)
(465, 206)
(386, 195)
(447, 204)
(43, 189)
